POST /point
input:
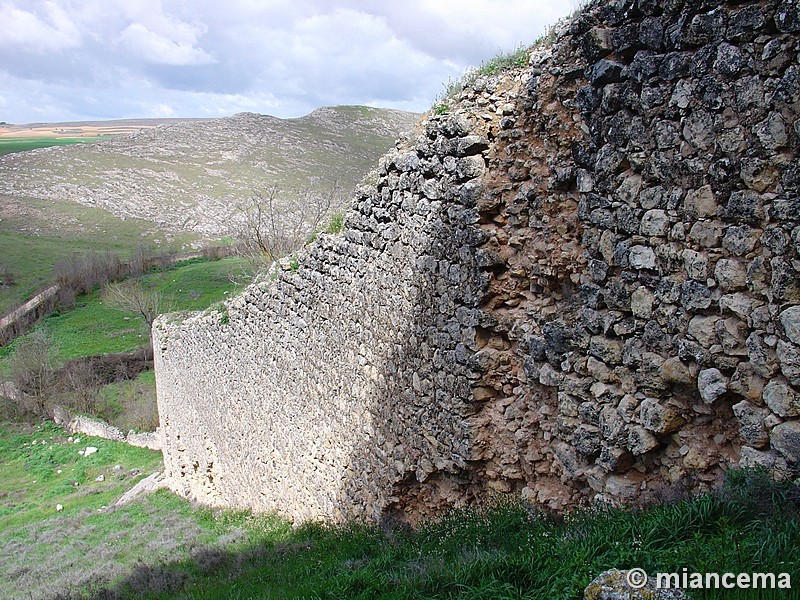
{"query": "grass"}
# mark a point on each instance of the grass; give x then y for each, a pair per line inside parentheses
(501, 62)
(336, 224)
(505, 61)
(196, 284)
(40, 469)
(31, 244)
(9, 144)
(43, 550)
(505, 552)
(162, 547)
(31, 260)
(94, 327)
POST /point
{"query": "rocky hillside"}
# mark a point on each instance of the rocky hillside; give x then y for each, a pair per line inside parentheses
(188, 176)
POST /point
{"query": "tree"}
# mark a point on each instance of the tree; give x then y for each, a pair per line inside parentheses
(33, 369)
(131, 296)
(7, 277)
(274, 223)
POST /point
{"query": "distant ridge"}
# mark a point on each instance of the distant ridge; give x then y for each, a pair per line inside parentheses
(191, 174)
(128, 122)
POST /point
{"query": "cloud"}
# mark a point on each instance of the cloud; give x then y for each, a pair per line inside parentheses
(127, 58)
(160, 49)
(39, 33)
(161, 36)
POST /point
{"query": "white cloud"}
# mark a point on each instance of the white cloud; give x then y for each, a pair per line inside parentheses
(53, 30)
(162, 110)
(158, 49)
(159, 35)
(125, 58)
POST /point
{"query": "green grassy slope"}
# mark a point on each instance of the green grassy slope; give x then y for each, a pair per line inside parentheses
(94, 328)
(10, 145)
(161, 547)
(36, 234)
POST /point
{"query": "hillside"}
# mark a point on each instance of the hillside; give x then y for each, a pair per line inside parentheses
(174, 184)
(187, 176)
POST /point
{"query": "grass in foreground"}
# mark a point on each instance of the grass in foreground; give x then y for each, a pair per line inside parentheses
(43, 551)
(40, 469)
(506, 552)
(161, 547)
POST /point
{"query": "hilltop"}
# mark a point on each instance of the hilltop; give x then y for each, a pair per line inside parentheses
(188, 175)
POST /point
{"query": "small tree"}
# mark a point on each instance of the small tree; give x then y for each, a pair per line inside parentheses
(33, 369)
(131, 296)
(274, 223)
(7, 277)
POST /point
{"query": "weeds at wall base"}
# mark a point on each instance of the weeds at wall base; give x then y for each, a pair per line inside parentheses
(509, 551)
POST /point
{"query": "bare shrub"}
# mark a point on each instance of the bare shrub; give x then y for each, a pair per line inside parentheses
(81, 273)
(81, 384)
(216, 252)
(276, 222)
(33, 370)
(10, 409)
(66, 297)
(131, 296)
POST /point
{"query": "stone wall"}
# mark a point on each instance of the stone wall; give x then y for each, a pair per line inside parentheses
(581, 282)
(99, 428)
(317, 394)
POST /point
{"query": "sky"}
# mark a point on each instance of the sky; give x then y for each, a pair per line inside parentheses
(70, 60)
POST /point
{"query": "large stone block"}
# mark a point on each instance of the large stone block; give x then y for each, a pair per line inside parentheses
(711, 384)
(785, 438)
(659, 418)
(751, 424)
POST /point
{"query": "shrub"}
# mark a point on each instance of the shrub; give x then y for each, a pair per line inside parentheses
(33, 370)
(81, 383)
